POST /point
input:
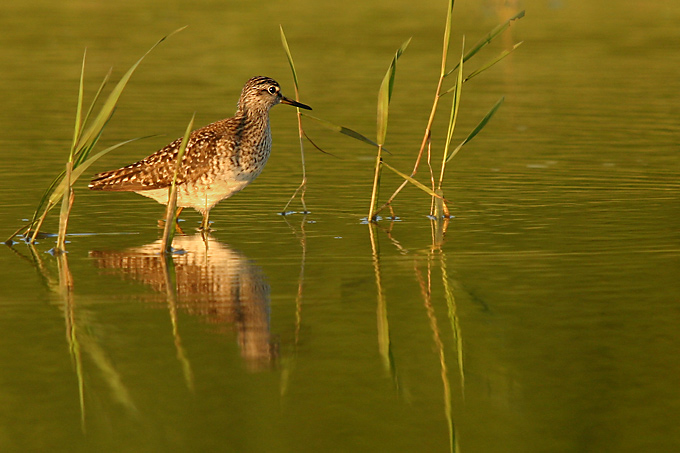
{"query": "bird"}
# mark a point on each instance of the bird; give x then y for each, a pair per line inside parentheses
(220, 159)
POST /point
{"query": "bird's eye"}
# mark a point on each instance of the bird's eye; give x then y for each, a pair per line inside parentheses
(272, 90)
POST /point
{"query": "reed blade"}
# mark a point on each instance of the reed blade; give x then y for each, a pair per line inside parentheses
(58, 192)
(84, 142)
(85, 165)
(81, 153)
(97, 95)
(447, 36)
(110, 103)
(318, 148)
(59, 185)
(170, 212)
(343, 130)
(302, 188)
(385, 94)
(488, 38)
(79, 109)
(493, 61)
(45, 199)
(486, 65)
(67, 203)
(478, 128)
(455, 106)
(415, 182)
(289, 56)
(384, 97)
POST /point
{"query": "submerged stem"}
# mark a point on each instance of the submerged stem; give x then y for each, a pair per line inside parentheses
(40, 222)
(376, 184)
(66, 203)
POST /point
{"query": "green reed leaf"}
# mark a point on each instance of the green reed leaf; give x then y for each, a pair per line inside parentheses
(486, 66)
(414, 181)
(493, 61)
(83, 143)
(66, 203)
(455, 107)
(170, 212)
(60, 183)
(94, 131)
(385, 94)
(478, 128)
(447, 36)
(81, 153)
(284, 41)
(341, 129)
(488, 38)
(46, 197)
(79, 109)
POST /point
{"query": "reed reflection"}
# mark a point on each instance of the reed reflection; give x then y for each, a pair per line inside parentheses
(210, 280)
(427, 263)
(84, 345)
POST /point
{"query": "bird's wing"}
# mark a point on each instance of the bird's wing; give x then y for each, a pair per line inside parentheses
(205, 147)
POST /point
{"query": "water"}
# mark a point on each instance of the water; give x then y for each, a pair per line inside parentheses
(545, 321)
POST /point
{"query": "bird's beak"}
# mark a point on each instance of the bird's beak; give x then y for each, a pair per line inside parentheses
(285, 100)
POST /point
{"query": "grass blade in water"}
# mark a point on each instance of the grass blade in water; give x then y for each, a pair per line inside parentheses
(79, 108)
(478, 128)
(488, 38)
(415, 182)
(110, 103)
(284, 41)
(385, 94)
(58, 192)
(84, 143)
(455, 106)
(66, 204)
(301, 133)
(81, 153)
(170, 218)
(492, 62)
(487, 65)
(447, 36)
(343, 130)
(384, 97)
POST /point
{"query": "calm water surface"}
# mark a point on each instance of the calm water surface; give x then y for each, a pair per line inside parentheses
(545, 320)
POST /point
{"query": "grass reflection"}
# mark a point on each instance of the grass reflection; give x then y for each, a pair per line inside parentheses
(82, 343)
(65, 291)
(288, 363)
(384, 345)
(425, 266)
(425, 283)
(171, 295)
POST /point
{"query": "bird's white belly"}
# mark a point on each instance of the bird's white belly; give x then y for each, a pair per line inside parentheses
(202, 195)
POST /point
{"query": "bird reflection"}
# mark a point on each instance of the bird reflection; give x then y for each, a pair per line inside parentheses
(212, 281)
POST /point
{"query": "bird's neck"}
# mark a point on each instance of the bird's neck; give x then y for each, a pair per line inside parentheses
(253, 117)
(243, 111)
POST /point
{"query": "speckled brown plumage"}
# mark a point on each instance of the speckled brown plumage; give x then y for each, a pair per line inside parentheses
(220, 159)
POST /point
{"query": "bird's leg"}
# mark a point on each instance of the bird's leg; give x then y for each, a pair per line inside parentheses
(178, 229)
(161, 222)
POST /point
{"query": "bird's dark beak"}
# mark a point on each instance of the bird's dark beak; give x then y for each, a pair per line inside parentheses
(285, 100)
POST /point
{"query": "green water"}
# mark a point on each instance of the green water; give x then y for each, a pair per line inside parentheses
(547, 320)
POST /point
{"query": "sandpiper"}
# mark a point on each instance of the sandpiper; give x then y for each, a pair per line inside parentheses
(220, 159)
